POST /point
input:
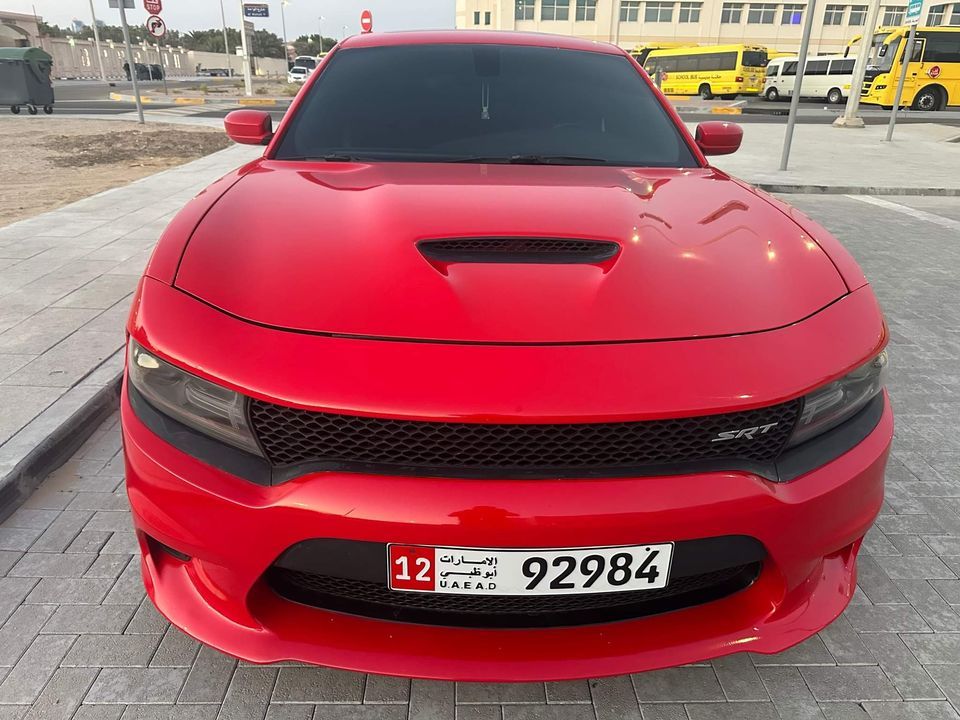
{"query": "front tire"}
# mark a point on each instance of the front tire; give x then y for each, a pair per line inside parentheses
(927, 100)
(772, 94)
(32, 109)
(705, 92)
(834, 97)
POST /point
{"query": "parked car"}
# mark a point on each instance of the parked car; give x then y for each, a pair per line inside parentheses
(156, 72)
(827, 78)
(483, 372)
(297, 74)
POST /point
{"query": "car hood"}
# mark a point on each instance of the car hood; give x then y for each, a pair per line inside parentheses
(333, 248)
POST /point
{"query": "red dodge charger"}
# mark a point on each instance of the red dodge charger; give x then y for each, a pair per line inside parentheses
(482, 372)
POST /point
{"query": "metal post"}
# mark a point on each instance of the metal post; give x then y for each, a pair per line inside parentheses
(850, 118)
(163, 68)
(226, 45)
(907, 55)
(130, 63)
(96, 43)
(283, 25)
(247, 80)
(795, 98)
(320, 35)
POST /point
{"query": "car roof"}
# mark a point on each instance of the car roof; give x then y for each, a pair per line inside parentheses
(478, 37)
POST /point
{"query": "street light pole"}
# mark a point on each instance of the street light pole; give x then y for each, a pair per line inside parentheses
(907, 56)
(96, 42)
(226, 46)
(850, 118)
(283, 25)
(320, 35)
(130, 63)
(795, 98)
(247, 80)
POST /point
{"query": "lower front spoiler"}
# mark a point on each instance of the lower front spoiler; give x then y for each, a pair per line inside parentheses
(746, 621)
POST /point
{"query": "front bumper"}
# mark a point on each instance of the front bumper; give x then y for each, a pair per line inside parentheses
(234, 530)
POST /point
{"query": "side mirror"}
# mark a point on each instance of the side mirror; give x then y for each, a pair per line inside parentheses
(718, 138)
(250, 127)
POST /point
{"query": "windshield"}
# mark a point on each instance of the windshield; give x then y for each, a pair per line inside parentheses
(754, 58)
(888, 52)
(483, 103)
(305, 62)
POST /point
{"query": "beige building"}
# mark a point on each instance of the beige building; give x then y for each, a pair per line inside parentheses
(17, 29)
(776, 25)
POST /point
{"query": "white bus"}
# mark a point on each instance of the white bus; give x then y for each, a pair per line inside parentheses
(826, 77)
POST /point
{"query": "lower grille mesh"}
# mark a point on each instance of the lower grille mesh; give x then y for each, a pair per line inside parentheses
(360, 597)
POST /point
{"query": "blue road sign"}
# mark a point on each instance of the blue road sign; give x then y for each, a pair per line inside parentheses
(258, 10)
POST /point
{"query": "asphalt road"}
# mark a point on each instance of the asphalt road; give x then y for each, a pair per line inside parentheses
(87, 97)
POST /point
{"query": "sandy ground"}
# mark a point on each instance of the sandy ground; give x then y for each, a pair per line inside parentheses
(233, 87)
(48, 161)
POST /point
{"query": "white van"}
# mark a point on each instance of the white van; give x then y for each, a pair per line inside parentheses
(826, 76)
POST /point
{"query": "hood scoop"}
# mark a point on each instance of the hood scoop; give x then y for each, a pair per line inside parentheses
(518, 250)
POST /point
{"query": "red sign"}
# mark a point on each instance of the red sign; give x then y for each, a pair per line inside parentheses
(154, 7)
(156, 26)
(412, 568)
(934, 72)
(366, 21)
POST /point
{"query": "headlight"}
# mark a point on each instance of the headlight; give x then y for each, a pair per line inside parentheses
(830, 405)
(193, 401)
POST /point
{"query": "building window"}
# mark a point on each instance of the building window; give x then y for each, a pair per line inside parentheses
(731, 13)
(955, 15)
(762, 14)
(587, 10)
(833, 15)
(524, 10)
(892, 16)
(792, 15)
(935, 15)
(690, 12)
(629, 10)
(476, 17)
(555, 10)
(486, 17)
(658, 12)
(858, 15)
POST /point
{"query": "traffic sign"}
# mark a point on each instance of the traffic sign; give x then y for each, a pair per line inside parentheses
(127, 4)
(153, 7)
(366, 21)
(256, 10)
(913, 12)
(934, 72)
(156, 26)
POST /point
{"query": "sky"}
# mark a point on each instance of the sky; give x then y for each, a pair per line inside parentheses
(301, 15)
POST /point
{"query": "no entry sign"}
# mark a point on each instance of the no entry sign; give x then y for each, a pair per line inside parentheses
(154, 7)
(156, 26)
(366, 21)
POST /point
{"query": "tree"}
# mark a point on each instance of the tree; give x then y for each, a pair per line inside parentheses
(310, 44)
(264, 43)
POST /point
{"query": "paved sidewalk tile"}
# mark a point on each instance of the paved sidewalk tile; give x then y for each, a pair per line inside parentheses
(79, 640)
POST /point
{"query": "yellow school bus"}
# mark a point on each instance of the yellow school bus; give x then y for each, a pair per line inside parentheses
(933, 71)
(642, 50)
(711, 70)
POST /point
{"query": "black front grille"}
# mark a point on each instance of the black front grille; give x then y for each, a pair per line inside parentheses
(294, 437)
(519, 250)
(372, 599)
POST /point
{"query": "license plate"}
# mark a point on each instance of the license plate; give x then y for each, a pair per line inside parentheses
(495, 571)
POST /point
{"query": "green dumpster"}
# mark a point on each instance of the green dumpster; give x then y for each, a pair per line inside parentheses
(25, 79)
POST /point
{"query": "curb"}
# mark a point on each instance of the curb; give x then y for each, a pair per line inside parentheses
(58, 445)
(120, 97)
(799, 189)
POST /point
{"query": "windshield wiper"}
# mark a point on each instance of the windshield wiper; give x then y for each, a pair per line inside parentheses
(533, 160)
(328, 157)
